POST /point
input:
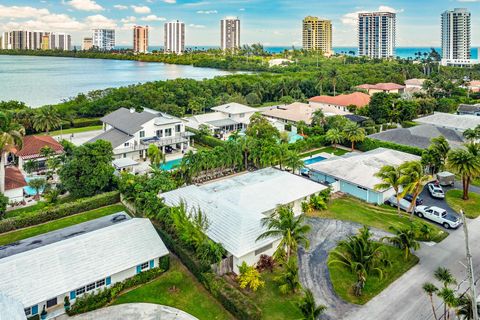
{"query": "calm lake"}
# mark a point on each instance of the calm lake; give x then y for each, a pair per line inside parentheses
(48, 80)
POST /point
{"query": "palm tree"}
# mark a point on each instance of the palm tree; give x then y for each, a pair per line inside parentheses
(288, 280)
(318, 118)
(354, 133)
(334, 136)
(466, 164)
(293, 161)
(308, 307)
(471, 134)
(333, 74)
(392, 177)
(46, 118)
(155, 155)
(11, 136)
(441, 148)
(415, 180)
(430, 289)
(464, 307)
(38, 185)
(444, 276)
(290, 229)
(449, 301)
(404, 239)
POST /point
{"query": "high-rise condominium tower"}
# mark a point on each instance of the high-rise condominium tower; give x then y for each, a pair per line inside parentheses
(317, 34)
(35, 40)
(104, 39)
(230, 33)
(174, 37)
(87, 43)
(376, 34)
(456, 34)
(140, 39)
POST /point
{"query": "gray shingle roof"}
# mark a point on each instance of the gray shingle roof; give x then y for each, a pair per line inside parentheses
(469, 108)
(127, 121)
(114, 136)
(419, 136)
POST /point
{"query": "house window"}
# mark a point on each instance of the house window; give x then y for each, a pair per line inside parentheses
(159, 133)
(142, 134)
(361, 188)
(52, 302)
(90, 286)
(80, 291)
(126, 144)
(242, 115)
(178, 128)
(28, 311)
(144, 266)
(100, 283)
(263, 249)
(168, 132)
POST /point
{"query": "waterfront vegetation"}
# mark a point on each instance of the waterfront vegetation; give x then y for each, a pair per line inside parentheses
(470, 207)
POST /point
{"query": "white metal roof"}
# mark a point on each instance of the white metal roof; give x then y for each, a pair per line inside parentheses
(360, 168)
(451, 121)
(124, 163)
(46, 272)
(234, 108)
(235, 206)
(11, 309)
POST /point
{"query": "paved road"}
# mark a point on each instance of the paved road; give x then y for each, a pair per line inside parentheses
(312, 263)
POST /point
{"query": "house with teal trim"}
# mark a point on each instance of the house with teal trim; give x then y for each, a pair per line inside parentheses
(354, 173)
(81, 263)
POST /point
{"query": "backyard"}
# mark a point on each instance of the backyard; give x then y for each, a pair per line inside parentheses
(74, 130)
(179, 289)
(470, 207)
(330, 149)
(25, 233)
(381, 217)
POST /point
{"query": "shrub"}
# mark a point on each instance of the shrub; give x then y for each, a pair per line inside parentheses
(249, 277)
(265, 263)
(371, 144)
(206, 139)
(164, 263)
(3, 204)
(60, 211)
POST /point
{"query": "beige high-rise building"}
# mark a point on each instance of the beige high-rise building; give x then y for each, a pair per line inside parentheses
(46, 42)
(317, 34)
(87, 43)
(140, 39)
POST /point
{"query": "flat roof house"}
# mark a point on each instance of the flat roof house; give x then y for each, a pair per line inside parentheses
(451, 121)
(79, 262)
(236, 205)
(341, 102)
(389, 87)
(131, 132)
(354, 173)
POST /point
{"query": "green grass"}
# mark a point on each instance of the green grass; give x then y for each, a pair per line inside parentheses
(381, 217)
(343, 280)
(337, 152)
(74, 130)
(20, 234)
(470, 207)
(179, 289)
(33, 209)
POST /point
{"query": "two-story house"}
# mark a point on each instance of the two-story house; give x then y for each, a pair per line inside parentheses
(131, 133)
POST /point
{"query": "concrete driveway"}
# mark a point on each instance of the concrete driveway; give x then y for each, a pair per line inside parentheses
(325, 235)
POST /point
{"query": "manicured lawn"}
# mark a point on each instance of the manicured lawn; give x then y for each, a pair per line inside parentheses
(20, 234)
(74, 130)
(381, 217)
(179, 289)
(343, 280)
(471, 207)
(32, 209)
(338, 152)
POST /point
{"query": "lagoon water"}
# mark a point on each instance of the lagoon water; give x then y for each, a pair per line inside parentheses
(39, 81)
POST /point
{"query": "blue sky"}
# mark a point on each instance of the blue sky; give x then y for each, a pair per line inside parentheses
(271, 22)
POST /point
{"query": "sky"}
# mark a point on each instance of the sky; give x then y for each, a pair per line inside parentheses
(270, 22)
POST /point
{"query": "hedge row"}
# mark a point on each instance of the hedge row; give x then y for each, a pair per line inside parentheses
(97, 300)
(206, 140)
(371, 144)
(81, 123)
(59, 211)
(238, 304)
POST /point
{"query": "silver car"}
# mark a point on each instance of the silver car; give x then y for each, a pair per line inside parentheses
(404, 204)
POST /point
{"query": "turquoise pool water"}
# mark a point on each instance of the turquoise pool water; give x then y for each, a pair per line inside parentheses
(29, 190)
(169, 165)
(314, 160)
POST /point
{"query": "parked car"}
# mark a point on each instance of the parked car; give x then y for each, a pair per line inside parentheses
(409, 198)
(404, 204)
(436, 191)
(439, 215)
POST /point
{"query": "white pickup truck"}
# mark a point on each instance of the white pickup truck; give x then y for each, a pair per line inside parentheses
(439, 215)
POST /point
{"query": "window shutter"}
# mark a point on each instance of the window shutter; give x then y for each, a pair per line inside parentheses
(108, 281)
(139, 269)
(152, 264)
(35, 310)
(73, 295)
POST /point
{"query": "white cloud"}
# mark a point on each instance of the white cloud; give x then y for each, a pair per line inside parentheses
(21, 12)
(196, 26)
(352, 17)
(120, 7)
(170, 1)
(85, 5)
(207, 11)
(141, 9)
(100, 21)
(130, 19)
(152, 17)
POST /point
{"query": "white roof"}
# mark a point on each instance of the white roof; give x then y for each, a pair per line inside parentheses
(234, 108)
(235, 206)
(11, 309)
(124, 163)
(360, 168)
(451, 121)
(195, 121)
(43, 273)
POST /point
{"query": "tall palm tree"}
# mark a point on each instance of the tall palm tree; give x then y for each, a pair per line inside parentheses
(309, 308)
(293, 161)
(11, 136)
(333, 74)
(318, 118)
(290, 229)
(404, 239)
(334, 136)
(464, 307)
(430, 289)
(471, 134)
(392, 177)
(444, 276)
(46, 119)
(441, 147)
(467, 165)
(415, 180)
(155, 155)
(354, 133)
(449, 301)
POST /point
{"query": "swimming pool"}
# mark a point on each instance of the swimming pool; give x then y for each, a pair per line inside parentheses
(169, 165)
(29, 190)
(314, 160)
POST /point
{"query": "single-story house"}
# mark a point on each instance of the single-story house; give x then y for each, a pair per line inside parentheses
(224, 119)
(474, 86)
(298, 111)
(342, 101)
(354, 173)
(414, 85)
(469, 109)
(419, 136)
(236, 205)
(14, 184)
(77, 263)
(451, 121)
(31, 150)
(382, 87)
(11, 309)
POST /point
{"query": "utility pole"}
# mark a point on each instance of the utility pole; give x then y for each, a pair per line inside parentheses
(473, 291)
